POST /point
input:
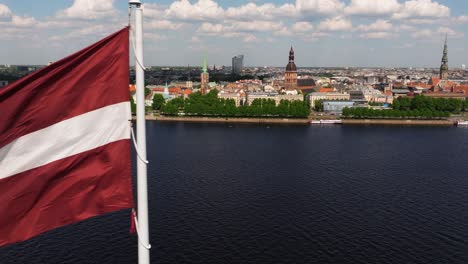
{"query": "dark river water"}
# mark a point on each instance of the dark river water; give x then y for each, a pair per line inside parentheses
(222, 193)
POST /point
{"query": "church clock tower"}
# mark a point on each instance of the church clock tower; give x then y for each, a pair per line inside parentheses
(290, 76)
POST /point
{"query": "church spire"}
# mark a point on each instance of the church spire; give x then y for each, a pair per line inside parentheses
(444, 64)
(291, 54)
(205, 65)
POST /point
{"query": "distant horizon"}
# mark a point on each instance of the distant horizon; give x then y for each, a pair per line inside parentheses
(269, 66)
(324, 33)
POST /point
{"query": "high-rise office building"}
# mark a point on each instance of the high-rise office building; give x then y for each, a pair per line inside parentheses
(237, 64)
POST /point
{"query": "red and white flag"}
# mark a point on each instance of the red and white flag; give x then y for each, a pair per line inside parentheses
(65, 141)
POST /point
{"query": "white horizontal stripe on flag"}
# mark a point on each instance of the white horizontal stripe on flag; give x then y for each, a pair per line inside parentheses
(66, 138)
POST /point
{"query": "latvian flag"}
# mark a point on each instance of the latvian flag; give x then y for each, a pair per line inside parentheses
(64, 141)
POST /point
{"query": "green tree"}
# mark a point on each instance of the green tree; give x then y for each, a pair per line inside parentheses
(318, 105)
(158, 101)
(147, 92)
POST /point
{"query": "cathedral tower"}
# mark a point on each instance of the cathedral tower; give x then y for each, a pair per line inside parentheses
(290, 76)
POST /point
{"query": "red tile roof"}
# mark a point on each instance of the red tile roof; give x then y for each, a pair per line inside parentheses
(461, 89)
(326, 90)
(434, 81)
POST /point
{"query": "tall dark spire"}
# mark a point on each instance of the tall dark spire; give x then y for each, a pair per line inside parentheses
(291, 65)
(291, 55)
(444, 65)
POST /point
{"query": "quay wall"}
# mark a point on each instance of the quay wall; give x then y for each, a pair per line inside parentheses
(293, 121)
(398, 122)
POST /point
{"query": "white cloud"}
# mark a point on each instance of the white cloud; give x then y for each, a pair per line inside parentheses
(154, 36)
(372, 7)
(423, 9)
(407, 27)
(423, 21)
(438, 34)
(379, 25)
(461, 19)
(202, 10)
(240, 26)
(284, 31)
(321, 7)
(86, 9)
(423, 34)
(335, 24)
(301, 27)
(163, 25)
(18, 21)
(378, 35)
(259, 26)
(450, 32)
(209, 28)
(5, 12)
(153, 10)
(252, 11)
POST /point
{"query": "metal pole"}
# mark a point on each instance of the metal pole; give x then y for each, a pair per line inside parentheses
(142, 182)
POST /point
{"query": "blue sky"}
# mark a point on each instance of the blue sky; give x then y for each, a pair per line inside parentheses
(389, 33)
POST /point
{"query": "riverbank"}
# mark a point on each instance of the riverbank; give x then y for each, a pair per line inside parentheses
(291, 121)
(398, 122)
(298, 121)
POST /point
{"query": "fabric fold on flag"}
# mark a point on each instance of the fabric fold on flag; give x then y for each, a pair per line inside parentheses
(65, 141)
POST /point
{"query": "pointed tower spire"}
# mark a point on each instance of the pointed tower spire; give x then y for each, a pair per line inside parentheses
(166, 89)
(205, 65)
(444, 65)
(291, 54)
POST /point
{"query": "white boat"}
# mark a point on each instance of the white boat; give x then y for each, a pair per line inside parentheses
(462, 123)
(329, 121)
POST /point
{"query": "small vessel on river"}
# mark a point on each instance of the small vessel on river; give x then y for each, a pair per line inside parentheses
(329, 121)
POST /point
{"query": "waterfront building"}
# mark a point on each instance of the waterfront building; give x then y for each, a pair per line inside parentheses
(312, 97)
(251, 96)
(289, 97)
(237, 64)
(290, 76)
(238, 96)
(336, 107)
(205, 77)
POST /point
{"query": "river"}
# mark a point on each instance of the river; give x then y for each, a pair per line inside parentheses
(235, 193)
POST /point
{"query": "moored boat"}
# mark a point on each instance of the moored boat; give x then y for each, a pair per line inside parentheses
(329, 121)
(462, 123)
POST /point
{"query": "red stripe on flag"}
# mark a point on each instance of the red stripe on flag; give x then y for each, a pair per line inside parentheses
(65, 191)
(92, 78)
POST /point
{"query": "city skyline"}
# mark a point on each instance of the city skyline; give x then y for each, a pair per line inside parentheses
(325, 33)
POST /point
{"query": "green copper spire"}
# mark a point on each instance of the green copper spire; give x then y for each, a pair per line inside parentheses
(205, 65)
(166, 89)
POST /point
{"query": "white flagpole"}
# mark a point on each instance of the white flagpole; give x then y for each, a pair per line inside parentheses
(142, 182)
